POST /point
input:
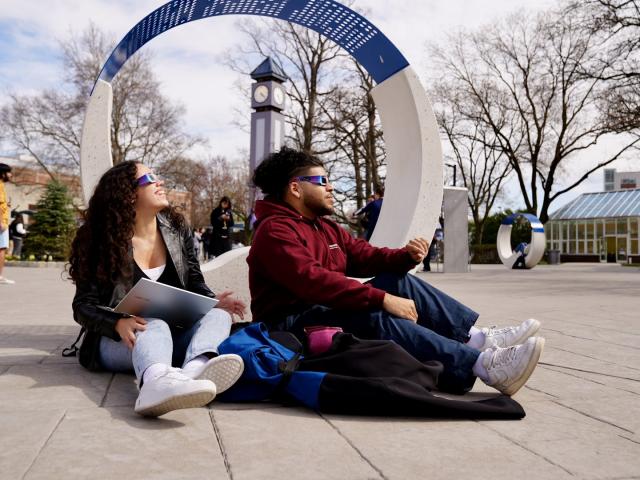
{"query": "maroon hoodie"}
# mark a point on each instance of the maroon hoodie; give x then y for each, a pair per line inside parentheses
(295, 262)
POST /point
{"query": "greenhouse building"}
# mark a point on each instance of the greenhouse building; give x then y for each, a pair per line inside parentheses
(597, 227)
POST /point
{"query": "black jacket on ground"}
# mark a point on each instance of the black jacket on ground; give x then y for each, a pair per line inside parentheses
(378, 377)
(91, 302)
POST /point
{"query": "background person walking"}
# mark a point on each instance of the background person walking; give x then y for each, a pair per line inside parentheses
(371, 212)
(17, 233)
(5, 176)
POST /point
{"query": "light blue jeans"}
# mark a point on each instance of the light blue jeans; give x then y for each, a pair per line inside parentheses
(159, 344)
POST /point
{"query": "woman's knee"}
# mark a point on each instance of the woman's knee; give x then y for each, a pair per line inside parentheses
(155, 325)
(218, 317)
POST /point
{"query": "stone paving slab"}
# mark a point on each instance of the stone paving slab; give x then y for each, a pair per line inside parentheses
(299, 444)
(24, 434)
(443, 449)
(117, 443)
(584, 447)
(34, 387)
(59, 421)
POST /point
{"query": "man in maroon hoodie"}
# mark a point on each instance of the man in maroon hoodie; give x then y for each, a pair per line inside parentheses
(299, 268)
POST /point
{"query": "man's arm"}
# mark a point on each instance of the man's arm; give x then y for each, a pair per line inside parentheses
(365, 260)
(283, 258)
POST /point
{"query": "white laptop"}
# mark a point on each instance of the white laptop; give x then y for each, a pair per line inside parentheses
(179, 308)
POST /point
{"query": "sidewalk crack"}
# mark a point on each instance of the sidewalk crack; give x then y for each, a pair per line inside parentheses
(591, 339)
(352, 445)
(223, 451)
(541, 391)
(35, 458)
(630, 439)
(106, 392)
(593, 417)
(593, 358)
(586, 371)
(524, 447)
(584, 379)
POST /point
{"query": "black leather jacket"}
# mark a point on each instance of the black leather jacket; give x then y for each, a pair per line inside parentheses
(90, 300)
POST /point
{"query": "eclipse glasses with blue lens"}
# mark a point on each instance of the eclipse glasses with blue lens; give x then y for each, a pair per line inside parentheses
(147, 179)
(321, 180)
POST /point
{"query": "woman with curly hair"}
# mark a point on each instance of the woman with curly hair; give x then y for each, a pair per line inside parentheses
(131, 232)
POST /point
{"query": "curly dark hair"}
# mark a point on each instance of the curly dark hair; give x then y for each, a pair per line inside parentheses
(100, 250)
(273, 174)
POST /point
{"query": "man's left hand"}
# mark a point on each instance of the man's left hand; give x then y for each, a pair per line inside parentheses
(418, 248)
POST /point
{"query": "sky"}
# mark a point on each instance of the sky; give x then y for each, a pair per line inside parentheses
(188, 60)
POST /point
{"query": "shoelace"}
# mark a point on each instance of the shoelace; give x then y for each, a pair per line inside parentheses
(494, 330)
(502, 356)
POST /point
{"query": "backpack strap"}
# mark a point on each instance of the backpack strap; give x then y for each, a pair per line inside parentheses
(287, 368)
(72, 350)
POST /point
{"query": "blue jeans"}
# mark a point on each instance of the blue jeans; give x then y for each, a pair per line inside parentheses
(160, 344)
(440, 333)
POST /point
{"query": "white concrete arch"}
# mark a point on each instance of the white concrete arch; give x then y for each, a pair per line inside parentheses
(413, 196)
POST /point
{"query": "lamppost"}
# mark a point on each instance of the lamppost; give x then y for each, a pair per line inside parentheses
(455, 167)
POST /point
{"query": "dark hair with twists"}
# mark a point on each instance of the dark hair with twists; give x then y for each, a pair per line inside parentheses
(100, 249)
(273, 174)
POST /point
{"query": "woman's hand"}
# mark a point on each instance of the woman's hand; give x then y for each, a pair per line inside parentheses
(400, 307)
(127, 328)
(230, 304)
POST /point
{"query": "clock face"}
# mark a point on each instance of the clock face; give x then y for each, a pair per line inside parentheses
(278, 95)
(261, 93)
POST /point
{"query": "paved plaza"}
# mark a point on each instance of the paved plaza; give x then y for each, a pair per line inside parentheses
(58, 420)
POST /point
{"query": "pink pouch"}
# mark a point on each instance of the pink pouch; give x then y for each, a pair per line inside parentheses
(319, 338)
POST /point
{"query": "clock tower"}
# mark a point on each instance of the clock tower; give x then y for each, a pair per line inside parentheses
(267, 121)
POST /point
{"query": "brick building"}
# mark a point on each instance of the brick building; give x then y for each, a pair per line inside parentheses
(30, 180)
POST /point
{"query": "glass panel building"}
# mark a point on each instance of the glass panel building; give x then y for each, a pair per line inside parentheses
(596, 227)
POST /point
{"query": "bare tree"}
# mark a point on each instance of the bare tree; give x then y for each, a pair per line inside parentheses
(358, 160)
(208, 181)
(616, 23)
(332, 113)
(145, 124)
(524, 78)
(306, 57)
(476, 152)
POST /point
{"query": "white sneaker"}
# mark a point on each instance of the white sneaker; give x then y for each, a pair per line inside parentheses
(508, 369)
(173, 391)
(509, 336)
(223, 370)
(6, 281)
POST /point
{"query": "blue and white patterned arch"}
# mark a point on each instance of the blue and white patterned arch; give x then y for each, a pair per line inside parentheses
(331, 19)
(413, 189)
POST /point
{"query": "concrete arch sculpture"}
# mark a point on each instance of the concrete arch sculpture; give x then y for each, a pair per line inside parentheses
(535, 250)
(414, 186)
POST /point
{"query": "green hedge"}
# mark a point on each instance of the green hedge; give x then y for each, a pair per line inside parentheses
(485, 253)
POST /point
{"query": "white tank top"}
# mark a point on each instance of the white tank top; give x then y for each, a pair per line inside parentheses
(154, 273)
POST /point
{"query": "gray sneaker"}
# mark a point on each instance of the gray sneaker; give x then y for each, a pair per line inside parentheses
(509, 368)
(6, 281)
(509, 336)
